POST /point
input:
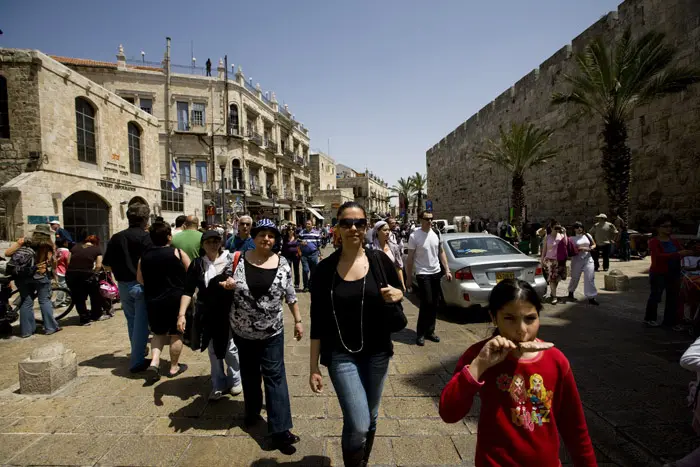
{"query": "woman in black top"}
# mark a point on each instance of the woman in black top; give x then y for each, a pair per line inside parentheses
(206, 275)
(161, 271)
(349, 331)
(85, 260)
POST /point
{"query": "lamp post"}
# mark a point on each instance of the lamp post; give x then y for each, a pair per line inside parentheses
(273, 193)
(222, 160)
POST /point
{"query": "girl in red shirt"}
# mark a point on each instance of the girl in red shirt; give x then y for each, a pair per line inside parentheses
(528, 397)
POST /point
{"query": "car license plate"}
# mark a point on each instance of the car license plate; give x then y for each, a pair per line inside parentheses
(501, 276)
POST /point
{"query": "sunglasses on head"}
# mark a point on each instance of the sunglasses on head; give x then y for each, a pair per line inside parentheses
(348, 223)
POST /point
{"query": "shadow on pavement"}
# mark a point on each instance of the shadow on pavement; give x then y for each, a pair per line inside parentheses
(119, 364)
(406, 336)
(306, 461)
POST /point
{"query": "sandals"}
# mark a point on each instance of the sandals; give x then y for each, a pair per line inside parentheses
(181, 369)
(153, 373)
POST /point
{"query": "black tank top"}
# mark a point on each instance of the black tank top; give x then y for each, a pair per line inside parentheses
(163, 272)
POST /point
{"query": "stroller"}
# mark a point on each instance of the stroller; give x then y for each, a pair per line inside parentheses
(690, 291)
(109, 291)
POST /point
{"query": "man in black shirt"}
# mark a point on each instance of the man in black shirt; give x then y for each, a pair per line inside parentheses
(123, 253)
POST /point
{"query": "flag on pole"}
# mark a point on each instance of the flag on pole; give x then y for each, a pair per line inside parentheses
(174, 180)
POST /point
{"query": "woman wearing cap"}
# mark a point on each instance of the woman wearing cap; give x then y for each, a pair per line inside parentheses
(583, 263)
(38, 283)
(206, 275)
(382, 242)
(261, 282)
(162, 270)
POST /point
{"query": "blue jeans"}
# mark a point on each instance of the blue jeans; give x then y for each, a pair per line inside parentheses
(264, 359)
(27, 289)
(223, 380)
(358, 381)
(308, 265)
(134, 306)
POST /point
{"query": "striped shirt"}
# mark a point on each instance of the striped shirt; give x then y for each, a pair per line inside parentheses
(313, 241)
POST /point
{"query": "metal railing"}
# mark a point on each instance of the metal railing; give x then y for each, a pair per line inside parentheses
(255, 137)
(285, 112)
(249, 86)
(289, 152)
(299, 160)
(255, 189)
(271, 144)
(234, 130)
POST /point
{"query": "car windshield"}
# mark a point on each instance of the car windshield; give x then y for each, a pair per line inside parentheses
(480, 246)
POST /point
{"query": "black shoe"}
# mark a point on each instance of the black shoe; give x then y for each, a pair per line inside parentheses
(283, 441)
(252, 420)
(571, 297)
(433, 337)
(605, 270)
(368, 445)
(420, 341)
(142, 367)
(305, 290)
(593, 301)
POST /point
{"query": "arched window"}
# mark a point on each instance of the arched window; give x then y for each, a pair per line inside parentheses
(4, 111)
(85, 124)
(134, 148)
(233, 120)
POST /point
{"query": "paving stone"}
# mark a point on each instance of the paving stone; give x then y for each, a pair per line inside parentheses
(57, 406)
(220, 451)
(66, 449)
(175, 406)
(308, 452)
(409, 407)
(427, 427)
(308, 407)
(109, 406)
(416, 385)
(114, 425)
(45, 425)
(193, 426)
(13, 444)
(318, 427)
(433, 450)
(466, 447)
(146, 450)
(229, 407)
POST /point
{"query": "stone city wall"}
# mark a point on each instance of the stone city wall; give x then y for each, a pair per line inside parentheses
(664, 137)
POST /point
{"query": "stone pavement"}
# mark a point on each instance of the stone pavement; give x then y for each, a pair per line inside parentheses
(631, 385)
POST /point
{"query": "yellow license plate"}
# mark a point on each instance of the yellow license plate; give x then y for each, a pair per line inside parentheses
(501, 276)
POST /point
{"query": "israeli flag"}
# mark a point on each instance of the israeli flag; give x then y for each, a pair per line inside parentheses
(174, 179)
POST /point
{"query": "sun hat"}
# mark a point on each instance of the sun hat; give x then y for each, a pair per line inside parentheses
(601, 216)
(264, 224)
(210, 234)
(43, 229)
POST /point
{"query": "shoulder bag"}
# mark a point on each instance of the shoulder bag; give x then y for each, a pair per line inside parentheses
(395, 318)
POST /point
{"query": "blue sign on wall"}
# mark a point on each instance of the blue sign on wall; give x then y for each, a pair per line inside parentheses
(41, 219)
(428, 205)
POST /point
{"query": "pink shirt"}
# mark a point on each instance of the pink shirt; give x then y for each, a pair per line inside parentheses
(552, 245)
(62, 261)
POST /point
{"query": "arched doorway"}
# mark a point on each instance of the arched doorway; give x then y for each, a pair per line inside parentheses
(85, 213)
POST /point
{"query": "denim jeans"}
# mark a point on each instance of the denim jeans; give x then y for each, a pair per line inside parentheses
(27, 289)
(658, 282)
(358, 381)
(429, 295)
(308, 264)
(134, 306)
(264, 359)
(61, 296)
(225, 379)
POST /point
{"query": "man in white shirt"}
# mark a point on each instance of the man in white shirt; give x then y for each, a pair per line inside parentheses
(425, 254)
(179, 221)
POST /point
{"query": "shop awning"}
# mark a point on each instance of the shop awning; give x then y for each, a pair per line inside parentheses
(316, 214)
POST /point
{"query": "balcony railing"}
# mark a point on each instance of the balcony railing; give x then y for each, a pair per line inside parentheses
(249, 86)
(237, 184)
(299, 160)
(255, 137)
(300, 197)
(234, 130)
(255, 189)
(285, 112)
(271, 144)
(289, 153)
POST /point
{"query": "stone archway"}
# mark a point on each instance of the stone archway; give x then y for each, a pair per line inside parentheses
(86, 213)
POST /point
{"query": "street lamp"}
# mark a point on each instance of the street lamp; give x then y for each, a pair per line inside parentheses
(222, 160)
(273, 194)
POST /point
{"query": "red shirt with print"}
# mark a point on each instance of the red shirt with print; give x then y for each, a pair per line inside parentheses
(525, 405)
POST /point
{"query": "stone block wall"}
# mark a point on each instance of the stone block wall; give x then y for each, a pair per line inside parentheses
(664, 137)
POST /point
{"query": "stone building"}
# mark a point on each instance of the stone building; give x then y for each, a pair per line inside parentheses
(368, 189)
(72, 151)
(327, 197)
(664, 137)
(214, 125)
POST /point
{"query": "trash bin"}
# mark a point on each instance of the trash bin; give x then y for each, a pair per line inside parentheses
(524, 246)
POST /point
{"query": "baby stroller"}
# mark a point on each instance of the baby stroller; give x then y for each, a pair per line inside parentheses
(109, 291)
(690, 291)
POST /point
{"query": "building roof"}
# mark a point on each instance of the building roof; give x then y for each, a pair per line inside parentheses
(97, 64)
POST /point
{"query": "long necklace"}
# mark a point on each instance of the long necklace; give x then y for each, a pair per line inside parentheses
(362, 312)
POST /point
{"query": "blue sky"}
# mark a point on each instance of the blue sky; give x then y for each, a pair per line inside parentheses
(384, 80)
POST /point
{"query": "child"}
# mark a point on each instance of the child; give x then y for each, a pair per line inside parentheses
(527, 397)
(62, 260)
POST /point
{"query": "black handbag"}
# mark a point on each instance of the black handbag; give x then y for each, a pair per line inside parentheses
(395, 317)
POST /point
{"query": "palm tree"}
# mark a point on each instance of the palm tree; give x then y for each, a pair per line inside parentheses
(517, 150)
(611, 84)
(419, 181)
(404, 191)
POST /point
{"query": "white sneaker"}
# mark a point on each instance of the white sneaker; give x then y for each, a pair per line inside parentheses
(236, 390)
(215, 395)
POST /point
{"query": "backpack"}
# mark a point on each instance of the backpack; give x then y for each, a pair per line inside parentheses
(22, 263)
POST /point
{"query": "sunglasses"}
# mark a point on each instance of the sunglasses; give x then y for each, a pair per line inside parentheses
(348, 223)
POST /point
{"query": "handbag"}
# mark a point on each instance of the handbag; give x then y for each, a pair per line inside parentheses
(395, 318)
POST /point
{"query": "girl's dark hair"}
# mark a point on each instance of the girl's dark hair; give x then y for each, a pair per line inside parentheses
(510, 290)
(662, 219)
(160, 231)
(348, 205)
(578, 225)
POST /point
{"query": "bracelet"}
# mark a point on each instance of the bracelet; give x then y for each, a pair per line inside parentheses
(297, 321)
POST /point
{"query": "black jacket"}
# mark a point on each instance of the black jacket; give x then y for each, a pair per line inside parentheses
(323, 325)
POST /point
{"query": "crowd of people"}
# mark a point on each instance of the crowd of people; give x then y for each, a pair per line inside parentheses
(222, 288)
